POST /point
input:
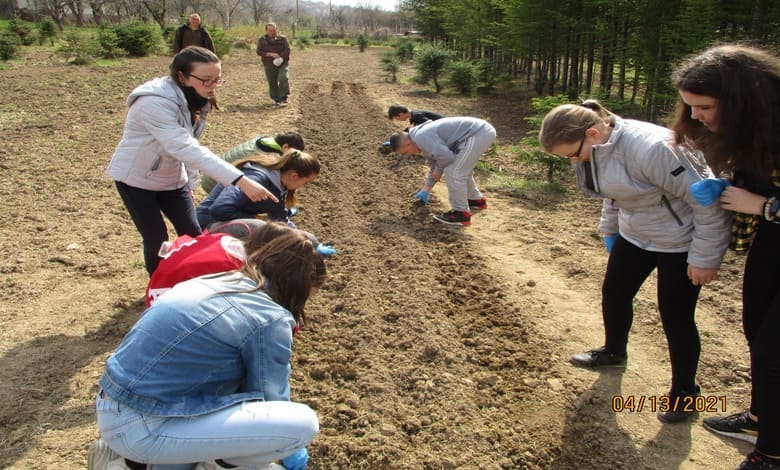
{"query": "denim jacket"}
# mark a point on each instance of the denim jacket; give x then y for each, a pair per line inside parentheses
(203, 347)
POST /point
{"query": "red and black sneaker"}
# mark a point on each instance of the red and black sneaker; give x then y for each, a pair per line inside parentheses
(454, 218)
(478, 204)
(758, 461)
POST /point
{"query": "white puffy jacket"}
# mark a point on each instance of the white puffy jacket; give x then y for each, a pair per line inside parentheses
(159, 150)
(645, 181)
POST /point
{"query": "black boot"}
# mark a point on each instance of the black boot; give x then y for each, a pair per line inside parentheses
(681, 405)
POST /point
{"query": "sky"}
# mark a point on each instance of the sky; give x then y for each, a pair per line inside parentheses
(388, 5)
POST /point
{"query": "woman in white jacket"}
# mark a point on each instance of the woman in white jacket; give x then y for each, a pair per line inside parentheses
(156, 164)
(649, 221)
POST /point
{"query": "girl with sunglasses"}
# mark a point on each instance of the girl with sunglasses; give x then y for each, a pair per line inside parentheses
(649, 221)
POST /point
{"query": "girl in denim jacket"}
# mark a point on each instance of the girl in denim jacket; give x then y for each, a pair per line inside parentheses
(204, 374)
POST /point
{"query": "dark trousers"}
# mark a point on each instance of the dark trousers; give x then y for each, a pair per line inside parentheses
(146, 209)
(761, 321)
(627, 269)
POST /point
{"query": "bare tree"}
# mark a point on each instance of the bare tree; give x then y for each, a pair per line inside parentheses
(338, 18)
(56, 9)
(180, 8)
(366, 18)
(122, 10)
(226, 9)
(98, 12)
(158, 9)
(261, 10)
(76, 7)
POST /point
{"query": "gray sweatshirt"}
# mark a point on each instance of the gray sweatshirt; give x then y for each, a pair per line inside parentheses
(441, 140)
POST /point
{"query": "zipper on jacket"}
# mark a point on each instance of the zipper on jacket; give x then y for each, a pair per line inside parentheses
(594, 170)
(665, 202)
(157, 164)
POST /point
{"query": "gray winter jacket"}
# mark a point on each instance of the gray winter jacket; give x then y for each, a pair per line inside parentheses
(645, 180)
(159, 150)
(440, 140)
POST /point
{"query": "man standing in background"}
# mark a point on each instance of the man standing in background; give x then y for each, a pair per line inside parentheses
(192, 34)
(275, 52)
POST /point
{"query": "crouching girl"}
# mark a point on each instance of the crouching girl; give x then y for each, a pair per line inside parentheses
(204, 374)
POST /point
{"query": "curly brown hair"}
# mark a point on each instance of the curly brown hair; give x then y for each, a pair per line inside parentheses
(746, 82)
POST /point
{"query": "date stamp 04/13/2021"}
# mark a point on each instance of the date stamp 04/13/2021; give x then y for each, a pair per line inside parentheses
(664, 403)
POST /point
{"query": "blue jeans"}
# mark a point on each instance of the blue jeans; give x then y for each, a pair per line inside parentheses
(251, 434)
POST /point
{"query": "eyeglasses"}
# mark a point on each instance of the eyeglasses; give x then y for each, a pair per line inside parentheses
(579, 149)
(208, 82)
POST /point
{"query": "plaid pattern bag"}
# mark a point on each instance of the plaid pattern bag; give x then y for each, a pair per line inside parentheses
(744, 225)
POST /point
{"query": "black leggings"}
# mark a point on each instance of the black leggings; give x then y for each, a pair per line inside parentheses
(145, 206)
(627, 269)
(761, 321)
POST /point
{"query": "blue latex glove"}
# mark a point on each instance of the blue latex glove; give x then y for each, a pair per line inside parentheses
(423, 196)
(708, 191)
(296, 461)
(326, 250)
(609, 241)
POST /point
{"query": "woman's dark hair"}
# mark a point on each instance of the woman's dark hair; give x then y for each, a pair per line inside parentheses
(292, 139)
(287, 267)
(183, 61)
(265, 234)
(395, 110)
(746, 83)
(301, 162)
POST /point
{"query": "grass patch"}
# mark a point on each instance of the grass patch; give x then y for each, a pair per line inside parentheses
(499, 179)
(108, 62)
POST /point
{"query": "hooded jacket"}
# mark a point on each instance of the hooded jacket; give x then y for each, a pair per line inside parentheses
(159, 150)
(441, 139)
(230, 203)
(645, 182)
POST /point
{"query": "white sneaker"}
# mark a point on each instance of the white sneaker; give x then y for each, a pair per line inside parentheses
(102, 457)
(213, 466)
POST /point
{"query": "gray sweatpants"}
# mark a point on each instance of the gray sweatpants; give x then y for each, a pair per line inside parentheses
(459, 175)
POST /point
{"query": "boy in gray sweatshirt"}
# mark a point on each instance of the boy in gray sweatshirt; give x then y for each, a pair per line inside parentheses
(452, 147)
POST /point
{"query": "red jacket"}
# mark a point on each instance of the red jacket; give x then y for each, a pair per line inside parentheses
(187, 258)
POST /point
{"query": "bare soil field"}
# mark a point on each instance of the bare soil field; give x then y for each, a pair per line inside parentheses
(429, 346)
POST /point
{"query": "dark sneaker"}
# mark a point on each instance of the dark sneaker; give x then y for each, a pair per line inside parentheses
(758, 461)
(454, 218)
(739, 426)
(681, 406)
(599, 358)
(478, 203)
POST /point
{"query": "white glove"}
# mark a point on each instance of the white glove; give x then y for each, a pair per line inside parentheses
(278, 61)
